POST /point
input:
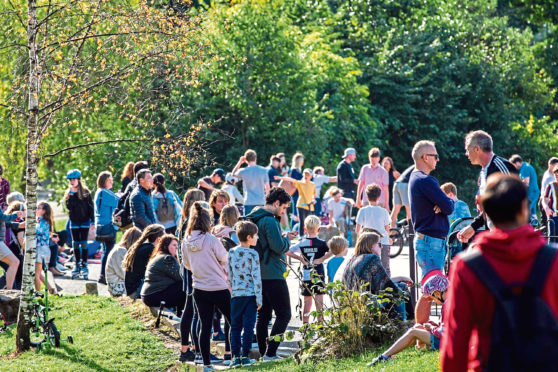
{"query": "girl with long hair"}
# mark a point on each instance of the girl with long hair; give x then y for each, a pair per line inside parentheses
(135, 261)
(44, 230)
(166, 204)
(127, 176)
(105, 203)
(217, 200)
(206, 257)
(189, 322)
(162, 276)
(114, 273)
(82, 217)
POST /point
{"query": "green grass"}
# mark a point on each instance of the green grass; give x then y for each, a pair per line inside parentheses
(106, 338)
(409, 360)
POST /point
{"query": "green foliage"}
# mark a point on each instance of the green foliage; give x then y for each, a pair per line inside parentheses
(356, 321)
(272, 87)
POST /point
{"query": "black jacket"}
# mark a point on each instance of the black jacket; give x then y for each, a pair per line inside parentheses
(497, 165)
(80, 210)
(346, 178)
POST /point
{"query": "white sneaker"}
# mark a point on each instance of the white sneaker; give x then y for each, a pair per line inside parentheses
(271, 358)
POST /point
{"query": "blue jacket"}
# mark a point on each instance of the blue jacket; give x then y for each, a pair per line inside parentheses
(424, 194)
(141, 208)
(105, 203)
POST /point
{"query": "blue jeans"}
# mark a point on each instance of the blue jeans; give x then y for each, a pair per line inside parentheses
(430, 253)
(318, 207)
(243, 319)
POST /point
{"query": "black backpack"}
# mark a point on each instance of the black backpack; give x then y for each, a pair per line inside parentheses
(524, 327)
(165, 209)
(121, 216)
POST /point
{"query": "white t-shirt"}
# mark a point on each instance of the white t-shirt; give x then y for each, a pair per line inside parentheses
(547, 178)
(338, 208)
(319, 181)
(375, 217)
(234, 194)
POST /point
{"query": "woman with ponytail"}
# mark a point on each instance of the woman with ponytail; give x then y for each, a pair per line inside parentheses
(162, 276)
(166, 204)
(206, 257)
(135, 261)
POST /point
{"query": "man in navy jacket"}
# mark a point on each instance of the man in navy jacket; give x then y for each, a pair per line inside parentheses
(430, 208)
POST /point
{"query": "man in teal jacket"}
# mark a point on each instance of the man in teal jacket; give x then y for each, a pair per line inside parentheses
(275, 291)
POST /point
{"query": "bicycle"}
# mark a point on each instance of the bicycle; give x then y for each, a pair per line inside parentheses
(44, 331)
(399, 236)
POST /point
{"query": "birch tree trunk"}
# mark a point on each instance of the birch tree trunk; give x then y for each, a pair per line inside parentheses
(33, 139)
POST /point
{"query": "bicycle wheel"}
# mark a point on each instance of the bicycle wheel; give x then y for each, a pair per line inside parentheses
(397, 242)
(53, 334)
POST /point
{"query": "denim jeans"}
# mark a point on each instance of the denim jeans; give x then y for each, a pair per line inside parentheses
(243, 320)
(430, 253)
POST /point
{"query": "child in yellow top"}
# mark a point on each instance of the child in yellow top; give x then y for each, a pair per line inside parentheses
(306, 196)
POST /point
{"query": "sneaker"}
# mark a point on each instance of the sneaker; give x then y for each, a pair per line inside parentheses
(102, 280)
(236, 362)
(198, 359)
(218, 337)
(271, 358)
(61, 267)
(247, 361)
(187, 356)
(208, 368)
(378, 359)
(214, 359)
(84, 269)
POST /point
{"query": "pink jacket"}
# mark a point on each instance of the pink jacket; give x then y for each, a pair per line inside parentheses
(204, 255)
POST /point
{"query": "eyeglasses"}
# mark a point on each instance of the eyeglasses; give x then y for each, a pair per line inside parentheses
(436, 156)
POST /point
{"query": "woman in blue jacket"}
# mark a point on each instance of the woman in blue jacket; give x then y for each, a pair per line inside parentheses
(105, 202)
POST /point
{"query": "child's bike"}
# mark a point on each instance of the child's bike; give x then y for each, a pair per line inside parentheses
(44, 331)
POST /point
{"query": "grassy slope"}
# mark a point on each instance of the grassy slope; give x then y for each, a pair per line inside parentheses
(106, 338)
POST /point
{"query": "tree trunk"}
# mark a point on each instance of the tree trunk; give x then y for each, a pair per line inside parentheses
(26, 306)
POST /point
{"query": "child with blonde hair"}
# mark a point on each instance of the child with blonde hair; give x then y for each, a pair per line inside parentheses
(312, 252)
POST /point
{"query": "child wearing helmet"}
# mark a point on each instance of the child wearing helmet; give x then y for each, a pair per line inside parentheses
(82, 217)
(430, 333)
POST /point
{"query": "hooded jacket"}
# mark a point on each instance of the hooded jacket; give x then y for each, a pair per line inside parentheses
(470, 306)
(205, 256)
(274, 245)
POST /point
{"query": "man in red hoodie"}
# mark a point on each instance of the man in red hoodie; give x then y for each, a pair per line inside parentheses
(510, 249)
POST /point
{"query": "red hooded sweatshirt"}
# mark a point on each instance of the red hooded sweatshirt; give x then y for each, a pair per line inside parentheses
(470, 306)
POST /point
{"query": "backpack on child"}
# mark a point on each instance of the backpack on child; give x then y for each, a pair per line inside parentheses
(165, 209)
(524, 328)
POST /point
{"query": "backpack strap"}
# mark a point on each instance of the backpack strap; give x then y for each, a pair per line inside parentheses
(541, 267)
(486, 274)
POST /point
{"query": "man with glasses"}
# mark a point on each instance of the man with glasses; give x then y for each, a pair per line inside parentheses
(430, 208)
(478, 148)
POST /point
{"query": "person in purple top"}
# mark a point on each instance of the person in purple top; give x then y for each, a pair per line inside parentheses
(430, 208)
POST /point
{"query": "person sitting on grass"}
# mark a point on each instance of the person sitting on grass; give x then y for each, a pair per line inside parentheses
(137, 257)
(314, 252)
(114, 273)
(338, 246)
(364, 271)
(162, 276)
(427, 334)
(246, 286)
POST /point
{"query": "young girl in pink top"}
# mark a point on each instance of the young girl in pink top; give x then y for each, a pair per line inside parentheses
(204, 255)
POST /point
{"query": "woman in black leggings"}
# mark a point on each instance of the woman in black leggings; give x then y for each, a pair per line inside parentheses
(206, 257)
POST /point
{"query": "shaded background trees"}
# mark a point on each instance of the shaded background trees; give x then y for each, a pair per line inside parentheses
(321, 75)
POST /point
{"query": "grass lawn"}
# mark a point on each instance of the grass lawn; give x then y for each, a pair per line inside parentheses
(106, 338)
(409, 360)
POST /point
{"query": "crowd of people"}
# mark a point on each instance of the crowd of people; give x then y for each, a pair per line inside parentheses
(219, 253)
